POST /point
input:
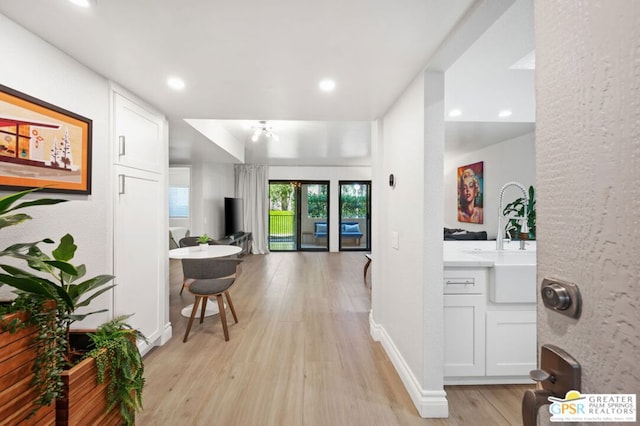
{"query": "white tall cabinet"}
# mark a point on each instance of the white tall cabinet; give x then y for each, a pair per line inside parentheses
(139, 180)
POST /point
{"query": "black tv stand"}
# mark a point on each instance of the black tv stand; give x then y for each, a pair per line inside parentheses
(240, 239)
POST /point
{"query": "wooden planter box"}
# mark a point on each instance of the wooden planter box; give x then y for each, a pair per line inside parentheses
(84, 401)
(17, 396)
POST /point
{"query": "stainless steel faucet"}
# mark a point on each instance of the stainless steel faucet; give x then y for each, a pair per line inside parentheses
(524, 229)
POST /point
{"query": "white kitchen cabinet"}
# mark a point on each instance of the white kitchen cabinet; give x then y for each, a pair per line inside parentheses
(138, 135)
(140, 216)
(511, 342)
(464, 338)
(485, 342)
(464, 325)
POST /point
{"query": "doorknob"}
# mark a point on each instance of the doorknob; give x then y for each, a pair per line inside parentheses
(558, 374)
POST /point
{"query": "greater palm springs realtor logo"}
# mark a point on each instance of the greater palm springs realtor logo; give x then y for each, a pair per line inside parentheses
(576, 407)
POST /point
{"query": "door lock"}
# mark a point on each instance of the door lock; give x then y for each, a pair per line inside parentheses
(559, 373)
(561, 296)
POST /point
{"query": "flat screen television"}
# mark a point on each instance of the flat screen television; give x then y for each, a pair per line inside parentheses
(233, 216)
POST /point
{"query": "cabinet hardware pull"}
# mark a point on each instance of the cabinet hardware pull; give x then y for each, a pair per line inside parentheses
(120, 184)
(459, 282)
(121, 145)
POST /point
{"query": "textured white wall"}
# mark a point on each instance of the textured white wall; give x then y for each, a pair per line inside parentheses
(54, 77)
(506, 161)
(588, 157)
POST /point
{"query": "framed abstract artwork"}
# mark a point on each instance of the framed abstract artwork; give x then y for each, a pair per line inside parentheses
(42, 145)
(470, 191)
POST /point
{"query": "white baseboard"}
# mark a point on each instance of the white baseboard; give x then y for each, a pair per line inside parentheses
(429, 403)
(493, 380)
(166, 334)
(144, 347)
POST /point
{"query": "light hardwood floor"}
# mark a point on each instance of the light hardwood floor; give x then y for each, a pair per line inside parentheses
(301, 354)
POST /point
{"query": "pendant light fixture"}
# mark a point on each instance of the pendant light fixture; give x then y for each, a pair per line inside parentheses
(263, 129)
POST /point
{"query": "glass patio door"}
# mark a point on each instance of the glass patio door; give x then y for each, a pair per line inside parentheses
(314, 213)
(298, 215)
(355, 216)
(282, 216)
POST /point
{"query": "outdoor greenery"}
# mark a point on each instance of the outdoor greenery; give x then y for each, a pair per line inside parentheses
(516, 208)
(317, 206)
(353, 197)
(354, 206)
(281, 196)
(281, 222)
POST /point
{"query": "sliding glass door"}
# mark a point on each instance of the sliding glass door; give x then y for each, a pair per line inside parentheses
(298, 216)
(282, 216)
(355, 215)
(314, 214)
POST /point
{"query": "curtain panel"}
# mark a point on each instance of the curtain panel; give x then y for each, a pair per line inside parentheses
(252, 185)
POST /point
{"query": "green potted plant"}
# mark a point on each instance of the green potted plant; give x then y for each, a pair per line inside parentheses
(203, 241)
(30, 361)
(53, 277)
(116, 355)
(513, 226)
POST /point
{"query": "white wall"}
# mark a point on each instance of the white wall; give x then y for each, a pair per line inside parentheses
(588, 156)
(61, 81)
(210, 183)
(506, 161)
(331, 174)
(399, 315)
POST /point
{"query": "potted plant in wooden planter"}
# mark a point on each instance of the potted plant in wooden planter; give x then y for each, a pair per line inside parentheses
(29, 370)
(29, 362)
(55, 278)
(105, 387)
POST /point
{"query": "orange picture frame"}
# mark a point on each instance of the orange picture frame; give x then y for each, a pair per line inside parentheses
(42, 145)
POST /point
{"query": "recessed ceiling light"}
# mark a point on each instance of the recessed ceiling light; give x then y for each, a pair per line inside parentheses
(81, 3)
(327, 85)
(455, 113)
(504, 113)
(175, 83)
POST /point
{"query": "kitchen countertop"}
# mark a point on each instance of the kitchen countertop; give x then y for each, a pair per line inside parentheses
(482, 254)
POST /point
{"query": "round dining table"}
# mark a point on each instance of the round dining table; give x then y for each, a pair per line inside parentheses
(203, 252)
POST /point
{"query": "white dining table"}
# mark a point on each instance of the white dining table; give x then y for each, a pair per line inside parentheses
(203, 252)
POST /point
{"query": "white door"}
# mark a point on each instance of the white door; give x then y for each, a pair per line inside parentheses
(587, 159)
(138, 250)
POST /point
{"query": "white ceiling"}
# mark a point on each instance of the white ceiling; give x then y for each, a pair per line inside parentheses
(256, 60)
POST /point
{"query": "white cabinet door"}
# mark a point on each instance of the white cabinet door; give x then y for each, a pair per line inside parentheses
(511, 343)
(138, 135)
(464, 337)
(138, 250)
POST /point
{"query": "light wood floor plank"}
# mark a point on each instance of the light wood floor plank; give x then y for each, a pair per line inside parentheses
(301, 354)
